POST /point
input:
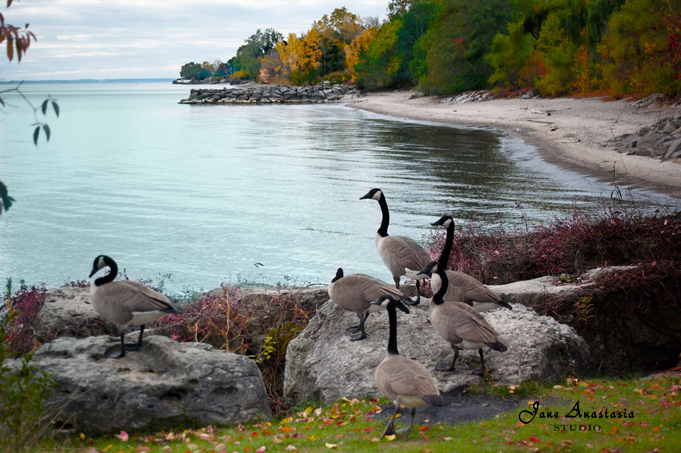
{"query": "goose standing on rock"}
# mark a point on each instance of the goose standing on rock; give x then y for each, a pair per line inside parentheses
(401, 254)
(460, 324)
(126, 303)
(401, 379)
(463, 287)
(355, 292)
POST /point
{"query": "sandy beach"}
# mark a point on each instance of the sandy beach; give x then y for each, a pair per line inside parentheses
(572, 136)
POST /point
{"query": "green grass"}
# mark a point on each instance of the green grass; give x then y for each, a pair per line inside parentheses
(350, 426)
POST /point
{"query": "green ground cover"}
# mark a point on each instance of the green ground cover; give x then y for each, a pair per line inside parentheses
(647, 419)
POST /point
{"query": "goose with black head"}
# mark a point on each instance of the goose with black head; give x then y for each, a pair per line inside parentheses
(462, 287)
(126, 303)
(401, 254)
(403, 380)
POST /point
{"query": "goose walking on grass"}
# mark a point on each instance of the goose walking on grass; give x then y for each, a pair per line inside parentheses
(355, 292)
(126, 303)
(401, 254)
(463, 287)
(401, 379)
(460, 324)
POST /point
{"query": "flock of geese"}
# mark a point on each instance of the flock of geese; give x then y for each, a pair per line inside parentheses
(405, 381)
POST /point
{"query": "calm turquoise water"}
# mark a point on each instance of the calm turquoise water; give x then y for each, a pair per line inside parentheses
(206, 192)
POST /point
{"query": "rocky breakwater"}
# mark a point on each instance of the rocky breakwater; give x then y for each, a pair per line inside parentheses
(273, 94)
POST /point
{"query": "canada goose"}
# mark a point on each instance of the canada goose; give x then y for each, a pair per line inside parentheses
(355, 292)
(463, 287)
(460, 324)
(126, 303)
(403, 380)
(401, 254)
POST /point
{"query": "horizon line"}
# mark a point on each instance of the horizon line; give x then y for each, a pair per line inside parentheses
(126, 80)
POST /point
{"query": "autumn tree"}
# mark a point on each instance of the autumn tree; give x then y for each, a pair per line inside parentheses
(249, 56)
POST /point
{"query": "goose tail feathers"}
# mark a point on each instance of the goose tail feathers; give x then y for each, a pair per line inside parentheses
(498, 346)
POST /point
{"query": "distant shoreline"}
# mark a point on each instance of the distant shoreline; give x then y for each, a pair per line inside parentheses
(25, 82)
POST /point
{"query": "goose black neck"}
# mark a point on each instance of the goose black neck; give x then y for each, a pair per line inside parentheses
(383, 230)
(438, 296)
(113, 272)
(447, 250)
(392, 339)
(339, 275)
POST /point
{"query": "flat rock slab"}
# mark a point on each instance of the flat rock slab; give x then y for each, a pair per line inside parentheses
(532, 292)
(165, 384)
(323, 365)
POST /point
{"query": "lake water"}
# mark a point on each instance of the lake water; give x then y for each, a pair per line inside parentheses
(205, 192)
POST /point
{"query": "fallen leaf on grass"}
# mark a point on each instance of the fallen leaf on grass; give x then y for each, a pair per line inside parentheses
(291, 448)
(142, 448)
(328, 445)
(390, 437)
(375, 439)
(261, 449)
(122, 436)
(192, 447)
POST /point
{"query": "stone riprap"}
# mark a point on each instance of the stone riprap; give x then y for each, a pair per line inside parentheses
(662, 140)
(164, 385)
(323, 365)
(273, 94)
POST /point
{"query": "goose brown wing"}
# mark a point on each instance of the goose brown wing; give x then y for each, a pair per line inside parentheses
(138, 297)
(471, 288)
(406, 251)
(371, 288)
(460, 320)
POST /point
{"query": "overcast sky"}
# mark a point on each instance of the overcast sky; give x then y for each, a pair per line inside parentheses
(107, 39)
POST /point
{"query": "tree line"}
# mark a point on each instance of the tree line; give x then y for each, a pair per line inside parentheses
(560, 47)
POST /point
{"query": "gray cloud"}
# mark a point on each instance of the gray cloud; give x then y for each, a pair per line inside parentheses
(150, 38)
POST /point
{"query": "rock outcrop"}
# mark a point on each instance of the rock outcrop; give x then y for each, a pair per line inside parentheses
(273, 94)
(323, 365)
(662, 140)
(165, 384)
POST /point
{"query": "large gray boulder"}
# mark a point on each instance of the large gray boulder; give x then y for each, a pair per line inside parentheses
(165, 384)
(323, 365)
(67, 312)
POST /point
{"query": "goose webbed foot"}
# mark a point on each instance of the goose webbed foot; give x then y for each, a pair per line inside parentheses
(353, 329)
(359, 336)
(132, 346)
(135, 345)
(411, 422)
(479, 371)
(444, 366)
(390, 429)
(476, 371)
(117, 356)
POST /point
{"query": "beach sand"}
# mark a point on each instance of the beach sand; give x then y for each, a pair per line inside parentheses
(573, 136)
